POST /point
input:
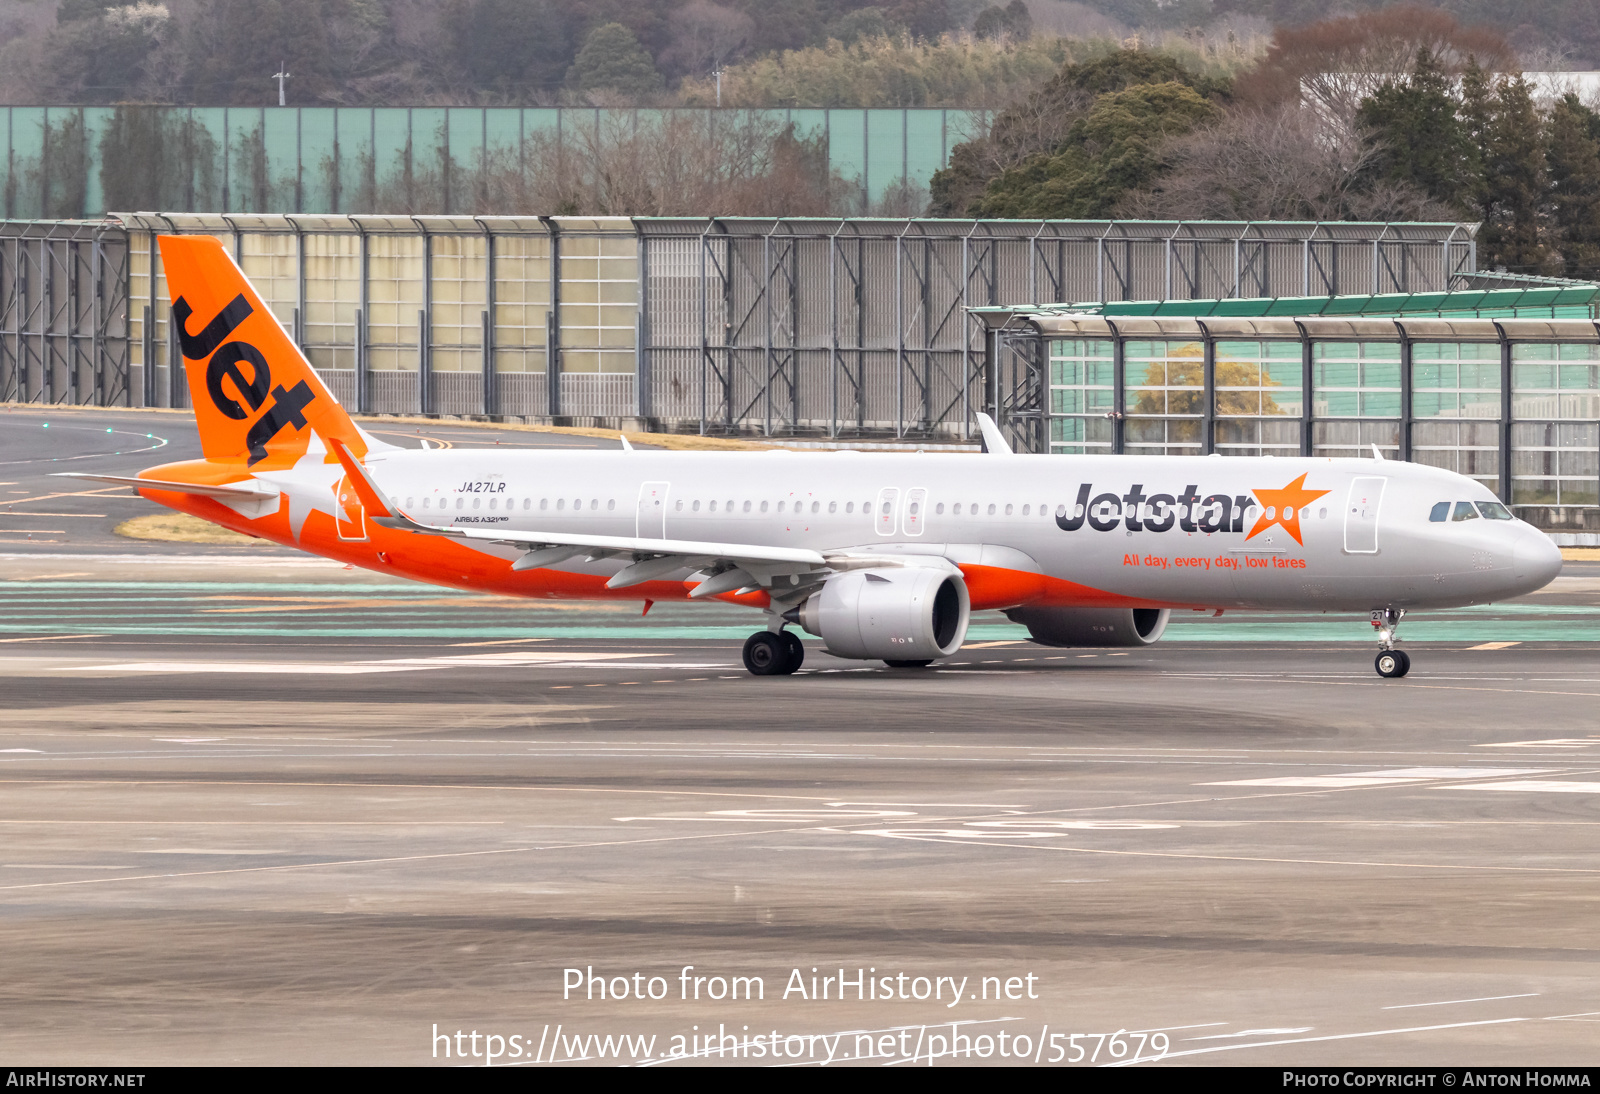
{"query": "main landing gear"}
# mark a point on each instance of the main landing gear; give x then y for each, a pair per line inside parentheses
(773, 653)
(1391, 663)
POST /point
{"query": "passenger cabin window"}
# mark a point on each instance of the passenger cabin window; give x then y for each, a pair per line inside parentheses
(1465, 511)
(1439, 513)
(1493, 510)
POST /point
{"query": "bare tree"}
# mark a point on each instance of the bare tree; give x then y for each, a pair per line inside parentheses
(1282, 164)
(1069, 19)
(1334, 64)
(705, 36)
(736, 164)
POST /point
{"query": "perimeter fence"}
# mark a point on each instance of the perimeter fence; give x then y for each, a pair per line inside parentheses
(831, 328)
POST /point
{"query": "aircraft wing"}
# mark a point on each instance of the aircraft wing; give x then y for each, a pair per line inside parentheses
(233, 490)
(730, 566)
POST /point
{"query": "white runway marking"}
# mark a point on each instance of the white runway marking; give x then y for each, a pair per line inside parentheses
(1553, 742)
(1250, 1033)
(1396, 777)
(1548, 787)
(1452, 1002)
(1311, 1040)
(519, 659)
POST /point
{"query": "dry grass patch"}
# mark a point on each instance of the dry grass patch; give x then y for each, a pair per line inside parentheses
(181, 528)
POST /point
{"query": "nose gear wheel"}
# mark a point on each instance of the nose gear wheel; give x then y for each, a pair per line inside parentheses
(1390, 663)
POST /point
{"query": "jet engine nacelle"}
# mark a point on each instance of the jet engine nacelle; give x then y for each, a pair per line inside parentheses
(1092, 627)
(891, 614)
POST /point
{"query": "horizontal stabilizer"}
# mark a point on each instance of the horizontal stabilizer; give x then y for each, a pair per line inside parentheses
(239, 491)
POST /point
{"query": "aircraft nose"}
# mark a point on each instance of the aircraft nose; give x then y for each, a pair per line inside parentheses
(1535, 560)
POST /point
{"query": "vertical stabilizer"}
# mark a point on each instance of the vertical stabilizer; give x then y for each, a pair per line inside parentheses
(256, 398)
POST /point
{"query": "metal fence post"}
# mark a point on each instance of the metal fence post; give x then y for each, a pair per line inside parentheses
(424, 373)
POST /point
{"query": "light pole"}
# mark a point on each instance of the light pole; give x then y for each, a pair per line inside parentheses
(281, 75)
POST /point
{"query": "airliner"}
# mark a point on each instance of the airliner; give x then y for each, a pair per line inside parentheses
(882, 556)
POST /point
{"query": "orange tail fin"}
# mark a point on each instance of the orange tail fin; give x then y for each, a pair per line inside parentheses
(256, 398)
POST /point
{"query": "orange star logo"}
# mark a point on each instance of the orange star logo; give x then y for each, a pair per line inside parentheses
(1285, 505)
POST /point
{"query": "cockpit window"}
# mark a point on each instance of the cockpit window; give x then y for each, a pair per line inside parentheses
(1440, 513)
(1465, 511)
(1493, 510)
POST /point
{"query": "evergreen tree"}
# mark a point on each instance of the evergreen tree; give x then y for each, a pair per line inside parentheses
(1030, 131)
(1420, 138)
(1574, 161)
(510, 46)
(612, 59)
(236, 45)
(1012, 21)
(1115, 148)
(1476, 114)
(1515, 188)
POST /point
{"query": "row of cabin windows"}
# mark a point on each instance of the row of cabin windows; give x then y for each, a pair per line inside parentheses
(1145, 511)
(511, 503)
(972, 509)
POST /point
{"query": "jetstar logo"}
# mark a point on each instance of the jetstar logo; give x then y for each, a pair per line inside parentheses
(287, 407)
(1189, 511)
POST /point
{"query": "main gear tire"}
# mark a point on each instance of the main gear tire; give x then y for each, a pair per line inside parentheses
(765, 654)
(794, 652)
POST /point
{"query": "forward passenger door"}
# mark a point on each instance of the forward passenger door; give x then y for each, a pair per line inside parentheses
(1361, 515)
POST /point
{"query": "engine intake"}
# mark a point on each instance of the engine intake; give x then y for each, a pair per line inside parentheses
(890, 614)
(1092, 627)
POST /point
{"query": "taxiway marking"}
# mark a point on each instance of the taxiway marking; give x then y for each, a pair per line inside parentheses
(1453, 1002)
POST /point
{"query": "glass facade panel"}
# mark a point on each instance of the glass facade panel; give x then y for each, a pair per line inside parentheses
(1356, 380)
(1259, 398)
(455, 323)
(333, 295)
(1461, 381)
(599, 273)
(1082, 395)
(1555, 432)
(394, 298)
(1163, 398)
(521, 302)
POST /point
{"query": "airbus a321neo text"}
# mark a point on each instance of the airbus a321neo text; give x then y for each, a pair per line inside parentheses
(884, 557)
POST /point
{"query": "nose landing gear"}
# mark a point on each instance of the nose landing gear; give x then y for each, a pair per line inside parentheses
(773, 653)
(1390, 663)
